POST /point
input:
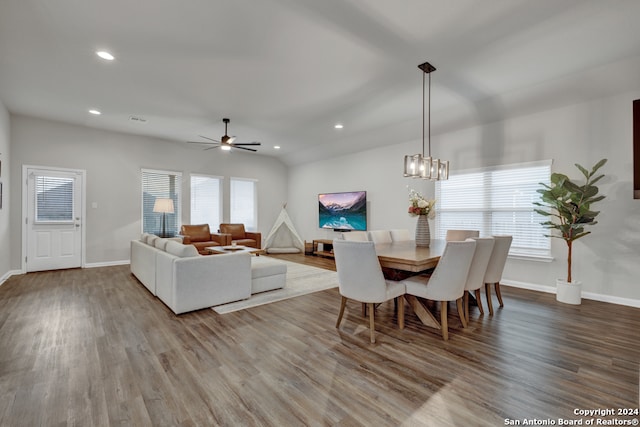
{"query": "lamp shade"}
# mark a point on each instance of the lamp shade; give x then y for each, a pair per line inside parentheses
(163, 206)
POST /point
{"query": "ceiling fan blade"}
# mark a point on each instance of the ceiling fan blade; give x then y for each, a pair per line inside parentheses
(242, 148)
(201, 142)
(247, 143)
(210, 139)
(212, 147)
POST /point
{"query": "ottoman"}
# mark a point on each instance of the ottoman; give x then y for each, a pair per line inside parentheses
(267, 274)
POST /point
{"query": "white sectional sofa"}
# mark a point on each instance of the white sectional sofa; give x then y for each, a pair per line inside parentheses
(185, 280)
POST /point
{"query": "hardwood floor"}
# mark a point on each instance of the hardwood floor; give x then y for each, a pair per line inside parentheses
(94, 347)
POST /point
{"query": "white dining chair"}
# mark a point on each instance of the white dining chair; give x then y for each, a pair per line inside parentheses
(355, 236)
(495, 268)
(360, 278)
(460, 235)
(475, 278)
(380, 236)
(447, 281)
(400, 235)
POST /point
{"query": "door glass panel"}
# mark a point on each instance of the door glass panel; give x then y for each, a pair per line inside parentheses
(54, 199)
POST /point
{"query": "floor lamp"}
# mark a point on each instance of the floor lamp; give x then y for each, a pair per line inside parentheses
(163, 206)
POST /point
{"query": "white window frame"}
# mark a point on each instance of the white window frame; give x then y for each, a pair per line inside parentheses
(531, 243)
(214, 223)
(250, 221)
(176, 219)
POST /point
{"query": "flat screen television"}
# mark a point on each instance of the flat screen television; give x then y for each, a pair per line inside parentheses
(345, 211)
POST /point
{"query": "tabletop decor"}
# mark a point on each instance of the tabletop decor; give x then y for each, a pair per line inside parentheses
(423, 208)
(568, 207)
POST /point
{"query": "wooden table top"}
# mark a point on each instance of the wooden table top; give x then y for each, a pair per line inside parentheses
(406, 256)
(229, 250)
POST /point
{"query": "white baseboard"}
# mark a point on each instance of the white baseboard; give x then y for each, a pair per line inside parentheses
(9, 274)
(106, 264)
(586, 295)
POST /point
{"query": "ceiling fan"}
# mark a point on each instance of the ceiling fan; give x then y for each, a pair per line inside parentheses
(226, 142)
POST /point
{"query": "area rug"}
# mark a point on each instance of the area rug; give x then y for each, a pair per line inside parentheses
(301, 280)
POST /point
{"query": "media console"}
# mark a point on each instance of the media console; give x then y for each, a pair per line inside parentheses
(327, 247)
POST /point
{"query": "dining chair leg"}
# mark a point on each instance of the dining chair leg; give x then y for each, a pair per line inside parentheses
(400, 304)
(487, 288)
(343, 304)
(479, 301)
(498, 294)
(461, 312)
(465, 303)
(443, 320)
(372, 322)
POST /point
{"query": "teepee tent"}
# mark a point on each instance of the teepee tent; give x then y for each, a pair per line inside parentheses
(283, 237)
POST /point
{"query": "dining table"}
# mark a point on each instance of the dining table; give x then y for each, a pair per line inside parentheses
(403, 259)
(405, 256)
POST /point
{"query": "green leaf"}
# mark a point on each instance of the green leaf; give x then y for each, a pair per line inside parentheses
(577, 236)
(583, 170)
(590, 191)
(570, 186)
(598, 165)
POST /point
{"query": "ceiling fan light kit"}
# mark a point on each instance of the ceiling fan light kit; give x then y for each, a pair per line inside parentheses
(226, 143)
(421, 165)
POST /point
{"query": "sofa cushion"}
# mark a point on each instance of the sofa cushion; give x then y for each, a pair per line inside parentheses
(197, 233)
(180, 250)
(151, 239)
(160, 243)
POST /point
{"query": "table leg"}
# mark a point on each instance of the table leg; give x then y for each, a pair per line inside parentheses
(422, 312)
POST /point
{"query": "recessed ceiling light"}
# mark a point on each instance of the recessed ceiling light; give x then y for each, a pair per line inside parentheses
(277, 147)
(338, 126)
(105, 55)
(95, 112)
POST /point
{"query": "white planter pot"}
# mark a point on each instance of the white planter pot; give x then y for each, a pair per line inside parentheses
(569, 293)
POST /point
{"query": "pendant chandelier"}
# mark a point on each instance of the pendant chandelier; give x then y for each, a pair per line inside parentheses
(421, 165)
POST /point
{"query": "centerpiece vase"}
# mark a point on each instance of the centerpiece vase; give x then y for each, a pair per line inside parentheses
(423, 235)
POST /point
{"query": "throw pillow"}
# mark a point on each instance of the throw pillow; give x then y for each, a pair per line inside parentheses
(180, 250)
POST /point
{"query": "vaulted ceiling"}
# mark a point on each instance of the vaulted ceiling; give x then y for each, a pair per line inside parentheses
(286, 71)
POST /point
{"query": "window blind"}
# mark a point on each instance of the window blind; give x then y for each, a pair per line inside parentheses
(206, 201)
(496, 201)
(165, 185)
(54, 199)
(244, 203)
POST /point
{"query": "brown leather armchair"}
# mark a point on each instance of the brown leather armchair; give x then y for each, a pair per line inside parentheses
(242, 237)
(201, 237)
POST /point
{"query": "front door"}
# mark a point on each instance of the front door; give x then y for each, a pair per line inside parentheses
(54, 219)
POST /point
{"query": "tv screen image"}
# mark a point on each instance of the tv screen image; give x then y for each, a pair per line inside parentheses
(343, 211)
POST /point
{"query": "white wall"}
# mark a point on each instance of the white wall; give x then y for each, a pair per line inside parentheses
(113, 162)
(5, 247)
(606, 261)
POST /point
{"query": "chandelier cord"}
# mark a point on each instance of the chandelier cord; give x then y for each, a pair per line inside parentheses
(423, 114)
(429, 117)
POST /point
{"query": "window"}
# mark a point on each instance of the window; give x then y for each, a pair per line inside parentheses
(496, 201)
(244, 207)
(206, 200)
(54, 199)
(160, 185)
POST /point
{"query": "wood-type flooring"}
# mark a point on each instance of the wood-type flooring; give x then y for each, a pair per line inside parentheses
(92, 347)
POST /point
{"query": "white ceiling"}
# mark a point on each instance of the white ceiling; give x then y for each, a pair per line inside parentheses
(285, 71)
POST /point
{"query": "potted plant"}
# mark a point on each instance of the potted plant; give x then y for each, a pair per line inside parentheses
(567, 204)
